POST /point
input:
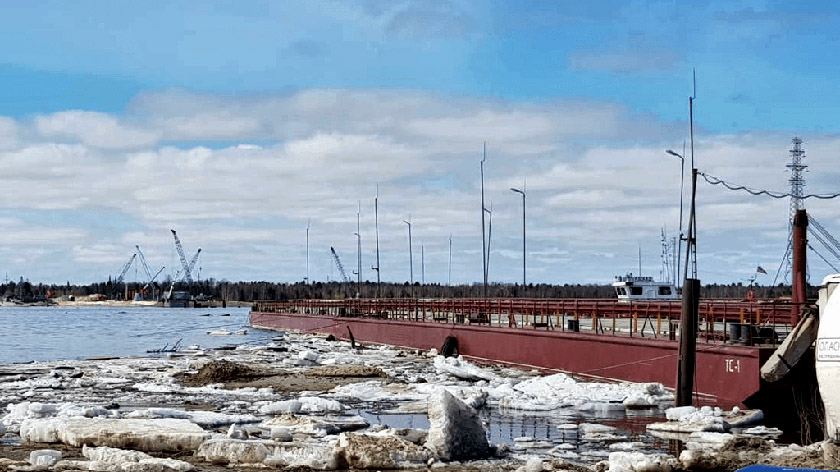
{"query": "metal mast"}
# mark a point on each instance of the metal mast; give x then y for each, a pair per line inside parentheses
(797, 190)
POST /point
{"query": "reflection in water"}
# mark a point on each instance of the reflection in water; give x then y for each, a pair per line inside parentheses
(543, 429)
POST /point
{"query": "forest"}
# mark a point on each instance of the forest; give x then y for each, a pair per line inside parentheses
(25, 291)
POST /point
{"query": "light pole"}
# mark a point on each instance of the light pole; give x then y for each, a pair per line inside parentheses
(359, 250)
(522, 192)
(450, 259)
(410, 256)
(682, 182)
(308, 223)
(359, 267)
(376, 223)
(484, 261)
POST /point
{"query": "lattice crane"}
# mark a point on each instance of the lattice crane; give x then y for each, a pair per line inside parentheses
(125, 269)
(340, 266)
(186, 266)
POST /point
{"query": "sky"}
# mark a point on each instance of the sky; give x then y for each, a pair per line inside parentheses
(240, 124)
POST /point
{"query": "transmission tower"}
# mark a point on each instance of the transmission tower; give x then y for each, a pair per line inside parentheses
(797, 180)
(797, 191)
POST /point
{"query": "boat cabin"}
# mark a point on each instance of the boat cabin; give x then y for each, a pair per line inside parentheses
(629, 287)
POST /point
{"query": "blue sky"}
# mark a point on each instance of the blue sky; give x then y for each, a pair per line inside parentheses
(236, 122)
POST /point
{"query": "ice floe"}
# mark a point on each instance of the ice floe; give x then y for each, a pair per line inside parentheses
(126, 413)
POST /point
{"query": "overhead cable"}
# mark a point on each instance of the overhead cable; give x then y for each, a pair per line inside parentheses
(716, 181)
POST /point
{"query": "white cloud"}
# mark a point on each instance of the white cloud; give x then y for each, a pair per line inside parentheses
(97, 130)
(598, 185)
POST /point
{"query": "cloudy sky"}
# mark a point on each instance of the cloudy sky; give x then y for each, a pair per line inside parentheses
(237, 123)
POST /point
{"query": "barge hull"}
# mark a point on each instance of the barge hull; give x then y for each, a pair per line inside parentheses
(726, 375)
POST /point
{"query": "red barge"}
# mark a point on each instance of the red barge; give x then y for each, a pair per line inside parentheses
(609, 339)
(595, 338)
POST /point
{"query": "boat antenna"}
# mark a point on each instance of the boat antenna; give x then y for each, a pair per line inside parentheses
(640, 259)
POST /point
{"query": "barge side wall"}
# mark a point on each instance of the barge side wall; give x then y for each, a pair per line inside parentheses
(726, 375)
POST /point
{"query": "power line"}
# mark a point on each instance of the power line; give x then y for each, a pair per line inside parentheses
(717, 181)
(823, 258)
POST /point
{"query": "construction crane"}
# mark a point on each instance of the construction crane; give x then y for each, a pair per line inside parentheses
(338, 264)
(194, 259)
(125, 269)
(187, 266)
(144, 264)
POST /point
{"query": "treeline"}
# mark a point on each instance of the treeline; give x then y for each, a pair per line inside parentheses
(250, 291)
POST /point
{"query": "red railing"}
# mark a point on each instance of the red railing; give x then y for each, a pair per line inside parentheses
(760, 321)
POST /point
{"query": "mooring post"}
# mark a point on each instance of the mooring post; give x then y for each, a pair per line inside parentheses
(799, 246)
(688, 341)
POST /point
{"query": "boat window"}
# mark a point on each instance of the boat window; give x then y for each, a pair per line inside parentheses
(635, 290)
(664, 290)
(620, 291)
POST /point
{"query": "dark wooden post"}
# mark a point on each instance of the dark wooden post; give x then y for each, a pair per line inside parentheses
(688, 342)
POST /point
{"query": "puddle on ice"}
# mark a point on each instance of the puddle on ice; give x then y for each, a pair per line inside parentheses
(547, 429)
(396, 421)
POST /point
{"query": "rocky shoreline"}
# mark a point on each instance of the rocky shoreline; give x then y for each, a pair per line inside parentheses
(304, 403)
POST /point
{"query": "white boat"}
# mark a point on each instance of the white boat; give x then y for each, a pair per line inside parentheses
(629, 288)
(827, 356)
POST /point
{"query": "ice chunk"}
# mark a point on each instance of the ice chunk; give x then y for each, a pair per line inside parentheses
(232, 451)
(367, 451)
(308, 356)
(455, 431)
(639, 462)
(281, 434)
(320, 455)
(678, 412)
(319, 405)
(140, 434)
(108, 458)
(462, 369)
(44, 457)
(281, 407)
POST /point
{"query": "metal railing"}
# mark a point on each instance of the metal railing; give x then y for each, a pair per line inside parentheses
(761, 321)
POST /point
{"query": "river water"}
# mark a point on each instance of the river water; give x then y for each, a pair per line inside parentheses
(64, 333)
(67, 332)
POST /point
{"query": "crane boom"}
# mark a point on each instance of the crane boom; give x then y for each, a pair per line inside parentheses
(182, 256)
(125, 269)
(191, 265)
(338, 264)
(143, 263)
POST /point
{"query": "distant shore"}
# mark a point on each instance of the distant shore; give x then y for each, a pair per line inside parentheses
(114, 303)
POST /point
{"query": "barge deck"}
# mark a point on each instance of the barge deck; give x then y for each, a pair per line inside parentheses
(595, 338)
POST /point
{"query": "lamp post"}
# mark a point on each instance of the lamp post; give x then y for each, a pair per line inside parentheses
(522, 192)
(359, 250)
(410, 256)
(682, 182)
(308, 223)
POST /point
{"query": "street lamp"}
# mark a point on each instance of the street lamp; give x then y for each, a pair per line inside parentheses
(410, 256)
(682, 181)
(308, 223)
(522, 192)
